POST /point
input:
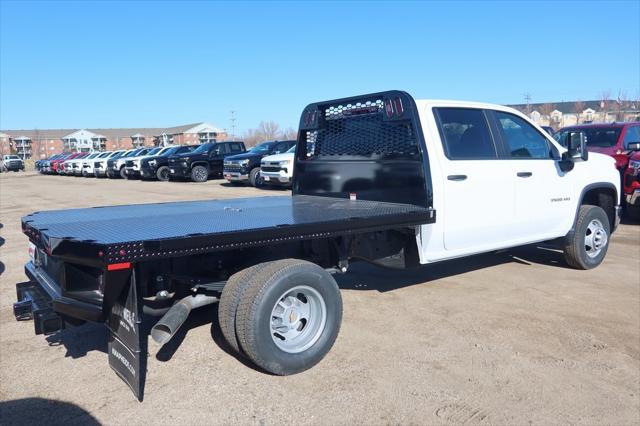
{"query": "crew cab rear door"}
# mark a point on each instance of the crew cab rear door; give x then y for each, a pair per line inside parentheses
(477, 187)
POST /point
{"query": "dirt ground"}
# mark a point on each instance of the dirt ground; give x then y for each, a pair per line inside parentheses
(509, 338)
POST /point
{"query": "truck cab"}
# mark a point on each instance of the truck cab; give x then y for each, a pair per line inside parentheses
(246, 167)
(204, 161)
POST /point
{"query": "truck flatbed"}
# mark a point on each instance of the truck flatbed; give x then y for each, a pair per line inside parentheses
(149, 231)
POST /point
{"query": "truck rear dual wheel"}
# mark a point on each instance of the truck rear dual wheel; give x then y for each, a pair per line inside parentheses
(287, 317)
(587, 246)
(229, 300)
(199, 174)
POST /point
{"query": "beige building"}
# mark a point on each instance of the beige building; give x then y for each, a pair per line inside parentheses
(562, 114)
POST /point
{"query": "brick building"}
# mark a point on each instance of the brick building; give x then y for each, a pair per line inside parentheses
(42, 143)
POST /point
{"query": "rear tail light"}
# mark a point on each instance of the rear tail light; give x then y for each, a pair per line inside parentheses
(399, 108)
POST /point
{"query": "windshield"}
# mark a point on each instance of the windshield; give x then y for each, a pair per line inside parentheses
(292, 149)
(153, 151)
(132, 153)
(602, 137)
(12, 157)
(203, 148)
(263, 147)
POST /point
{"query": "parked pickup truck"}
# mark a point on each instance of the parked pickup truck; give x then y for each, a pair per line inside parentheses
(277, 170)
(613, 139)
(100, 165)
(11, 163)
(245, 167)
(115, 166)
(203, 162)
(132, 164)
(380, 177)
(631, 186)
(88, 164)
(157, 166)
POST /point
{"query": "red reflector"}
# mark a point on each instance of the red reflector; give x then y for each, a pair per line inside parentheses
(399, 107)
(118, 266)
(388, 107)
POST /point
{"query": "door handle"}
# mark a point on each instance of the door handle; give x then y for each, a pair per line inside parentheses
(457, 177)
(525, 174)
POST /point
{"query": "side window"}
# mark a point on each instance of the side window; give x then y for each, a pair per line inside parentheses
(235, 147)
(281, 147)
(465, 134)
(632, 136)
(523, 140)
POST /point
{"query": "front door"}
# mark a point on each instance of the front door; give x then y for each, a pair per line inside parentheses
(542, 191)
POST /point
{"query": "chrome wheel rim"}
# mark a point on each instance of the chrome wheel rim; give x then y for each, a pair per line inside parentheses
(595, 238)
(298, 319)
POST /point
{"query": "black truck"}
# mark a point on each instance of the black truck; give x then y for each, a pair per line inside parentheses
(204, 161)
(267, 261)
(246, 167)
(157, 166)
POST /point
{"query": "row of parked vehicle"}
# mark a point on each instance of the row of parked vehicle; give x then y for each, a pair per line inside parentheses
(269, 163)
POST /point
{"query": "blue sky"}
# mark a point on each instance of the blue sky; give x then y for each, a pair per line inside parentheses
(155, 64)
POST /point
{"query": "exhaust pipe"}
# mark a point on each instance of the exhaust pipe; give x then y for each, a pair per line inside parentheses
(171, 322)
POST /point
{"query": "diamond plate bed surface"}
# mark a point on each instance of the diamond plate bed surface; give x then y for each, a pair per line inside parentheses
(146, 222)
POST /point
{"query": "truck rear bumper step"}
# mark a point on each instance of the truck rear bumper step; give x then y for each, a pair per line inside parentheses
(34, 303)
(58, 303)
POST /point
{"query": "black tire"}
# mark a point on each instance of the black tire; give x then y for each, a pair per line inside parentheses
(254, 315)
(199, 174)
(123, 173)
(229, 300)
(576, 252)
(163, 174)
(253, 176)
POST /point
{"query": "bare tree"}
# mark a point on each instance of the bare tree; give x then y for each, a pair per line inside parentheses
(267, 130)
(578, 107)
(290, 134)
(545, 110)
(621, 105)
(605, 103)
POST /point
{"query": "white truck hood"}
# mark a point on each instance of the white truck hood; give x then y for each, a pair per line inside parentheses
(279, 157)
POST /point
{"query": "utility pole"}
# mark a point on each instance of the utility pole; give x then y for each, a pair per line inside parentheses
(233, 125)
(527, 98)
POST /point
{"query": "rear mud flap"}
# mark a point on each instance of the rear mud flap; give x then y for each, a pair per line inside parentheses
(127, 343)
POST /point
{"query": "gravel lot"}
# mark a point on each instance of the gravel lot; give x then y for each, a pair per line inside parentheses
(508, 338)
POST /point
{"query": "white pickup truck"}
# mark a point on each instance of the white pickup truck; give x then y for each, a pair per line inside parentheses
(380, 177)
(277, 169)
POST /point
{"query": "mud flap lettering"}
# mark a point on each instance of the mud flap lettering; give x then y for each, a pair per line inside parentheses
(127, 342)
